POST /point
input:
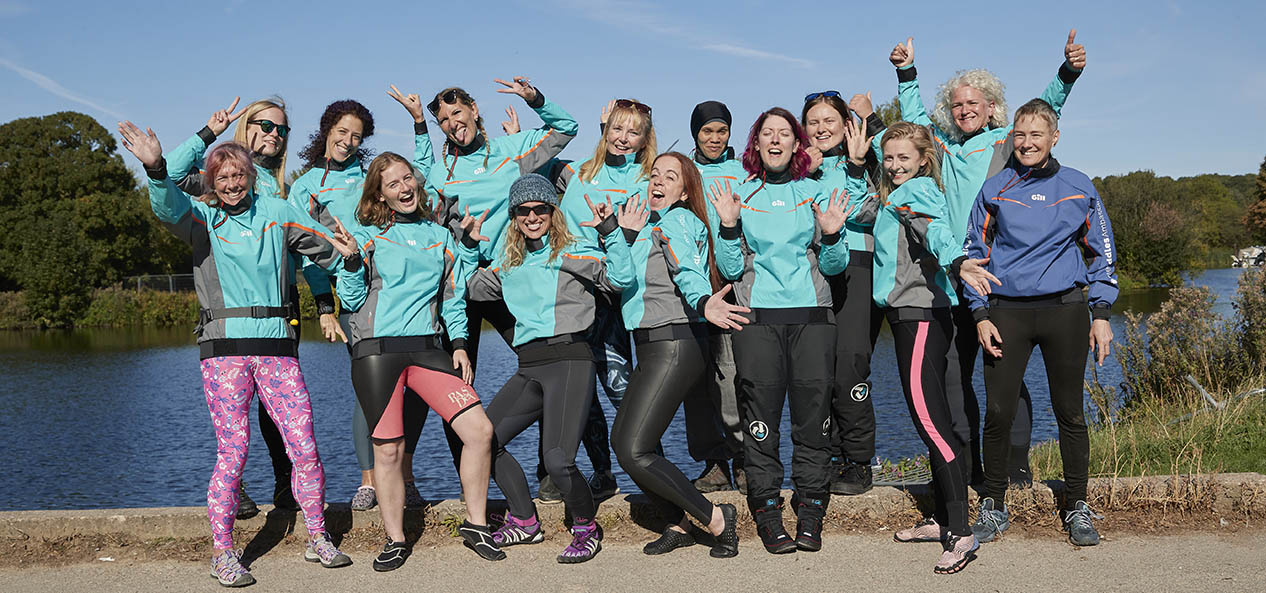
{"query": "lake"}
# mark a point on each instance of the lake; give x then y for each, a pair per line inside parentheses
(112, 418)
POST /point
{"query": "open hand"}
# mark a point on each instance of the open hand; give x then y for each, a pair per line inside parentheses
(143, 145)
(606, 112)
(972, 272)
(519, 86)
(725, 202)
(856, 140)
(831, 219)
(331, 329)
(632, 214)
(722, 314)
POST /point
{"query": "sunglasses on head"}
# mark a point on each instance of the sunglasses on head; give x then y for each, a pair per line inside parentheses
(448, 97)
(812, 96)
(539, 210)
(267, 126)
(630, 103)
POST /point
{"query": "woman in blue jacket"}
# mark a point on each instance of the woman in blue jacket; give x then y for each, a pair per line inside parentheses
(547, 279)
(241, 245)
(1034, 227)
(779, 239)
(406, 273)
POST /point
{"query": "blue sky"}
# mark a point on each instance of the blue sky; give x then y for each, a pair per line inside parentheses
(1175, 87)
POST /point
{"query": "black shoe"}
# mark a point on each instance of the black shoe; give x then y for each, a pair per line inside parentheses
(283, 497)
(726, 545)
(669, 541)
(768, 515)
(548, 493)
(392, 556)
(715, 477)
(603, 485)
(810, 509)
(479, 539)
(246, 508)
(1018, 474)
(852, 479)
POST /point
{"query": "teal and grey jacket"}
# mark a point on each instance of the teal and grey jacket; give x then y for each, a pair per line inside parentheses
(776, 254)
(407, 281)
(834, 173)
(670, 270)
(241, 271)
(478, 176)
(725, 169)
(619, 178)
(553, 296)
(967, 162)
(914, 247)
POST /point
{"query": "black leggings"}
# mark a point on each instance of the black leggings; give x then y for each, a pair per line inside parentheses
(1061, 332)
(922, 338)
(556, 391)
(666, 372)
(857, 323)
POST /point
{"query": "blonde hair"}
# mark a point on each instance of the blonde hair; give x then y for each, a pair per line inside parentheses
(559, 239)
(918, 135)
(982, 80)
(645, 155)
(242, 137)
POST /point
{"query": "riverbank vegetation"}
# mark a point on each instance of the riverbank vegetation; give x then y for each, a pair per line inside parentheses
(116, 306)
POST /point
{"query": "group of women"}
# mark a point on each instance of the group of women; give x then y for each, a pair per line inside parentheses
(742, 281)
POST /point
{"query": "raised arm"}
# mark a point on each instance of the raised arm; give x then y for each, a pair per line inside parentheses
(922, 209)
(729, 246)
(536, 147)
(1056, 93)
(908, 97)
(423, 152)
(612, 271)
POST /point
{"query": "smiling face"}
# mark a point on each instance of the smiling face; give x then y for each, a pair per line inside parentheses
(776, 143)
(535, 224)
(399, 189)
(714, 138)
(971, 109)
(902, 160)
(1034, 140)
(625, 133)
(825, 126)
(668, 185)
(344, 139)
(458, 122)
(231, 184)
(270, 144)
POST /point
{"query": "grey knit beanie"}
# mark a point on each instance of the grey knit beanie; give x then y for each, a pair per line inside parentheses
(532, 188)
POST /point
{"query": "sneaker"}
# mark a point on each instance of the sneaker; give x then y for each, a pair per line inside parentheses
(227, 568)
(927, 530)
(514, 531)
(283, 497)
(853, 479)
(603, 485)
(246, 508)
(586, 542)
(670, 540)
(548, 493)
(991, 522)
(413, 498)
(714, 477)
(392, 556)
(726, 545)
(479, 539)
(768, 515)
(959, 550)
(1077, 522)
(364, 499)
(810, 509)
(321, 549)
(740, 480)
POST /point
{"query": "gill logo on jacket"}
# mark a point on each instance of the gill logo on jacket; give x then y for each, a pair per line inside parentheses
(1038, 198)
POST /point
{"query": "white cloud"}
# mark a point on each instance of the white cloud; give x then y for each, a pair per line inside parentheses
(56, 88)
(747, 52)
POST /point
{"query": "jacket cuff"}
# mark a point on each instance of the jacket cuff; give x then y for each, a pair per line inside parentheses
(353, 263)
(459, 344)
(1067, 74)
(207, 136)
(607, 226)
(956, 266)
(907, 74)
(1101, 311)
(419, 127)
(630, 235)
(703, 302)
(874, 123)
(324, 303)
(831, 239)
(539, 102)
(159, 172)
(468, 242)
(730, 233)
(980, 314)
(855, 171)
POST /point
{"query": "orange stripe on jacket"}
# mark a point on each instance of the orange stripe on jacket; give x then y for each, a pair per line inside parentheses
(1076, 197)
(538, 143)
(1002, 199)
(568, 255)
(501, 165)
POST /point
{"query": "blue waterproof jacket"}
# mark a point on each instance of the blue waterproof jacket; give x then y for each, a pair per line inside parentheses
(1038, 227)
(670, 265)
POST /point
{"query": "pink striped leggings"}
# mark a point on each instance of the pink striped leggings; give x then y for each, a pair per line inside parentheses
(230, 383)
(921, 347)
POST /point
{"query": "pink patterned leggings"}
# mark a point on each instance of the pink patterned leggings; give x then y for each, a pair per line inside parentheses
(230, 383)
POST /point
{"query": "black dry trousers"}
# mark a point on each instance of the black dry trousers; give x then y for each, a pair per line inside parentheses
(668, 370)
(793, 362)
(857, 321)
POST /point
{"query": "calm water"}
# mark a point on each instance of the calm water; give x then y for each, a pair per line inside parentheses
(117, 418)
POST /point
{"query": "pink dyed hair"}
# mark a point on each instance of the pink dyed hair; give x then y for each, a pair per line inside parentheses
(799, 165)
(225, 154)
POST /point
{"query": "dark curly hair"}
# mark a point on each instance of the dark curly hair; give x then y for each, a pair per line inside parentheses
(314, 152)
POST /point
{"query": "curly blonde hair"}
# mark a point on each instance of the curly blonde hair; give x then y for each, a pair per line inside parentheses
(982, 80)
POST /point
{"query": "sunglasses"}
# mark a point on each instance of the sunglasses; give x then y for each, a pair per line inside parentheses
(539, 210)
(267, 126)
(630, 103)
(448, 97)
(812, 96)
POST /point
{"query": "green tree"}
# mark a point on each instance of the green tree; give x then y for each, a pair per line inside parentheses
(1155, 233)
(1255, 217)
(890, 112)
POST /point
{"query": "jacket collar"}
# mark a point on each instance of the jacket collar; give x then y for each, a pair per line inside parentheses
(726, 155)
(471, 148)
(1049, 169)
